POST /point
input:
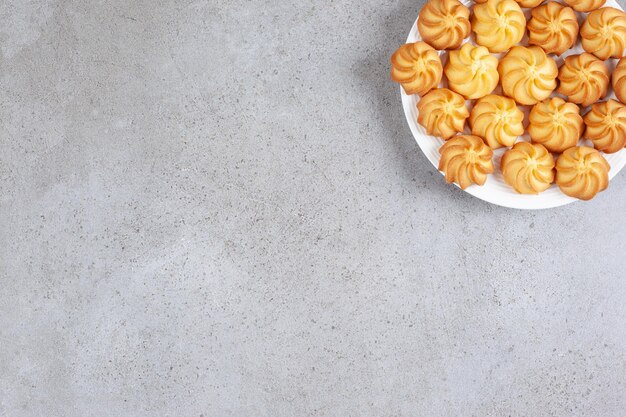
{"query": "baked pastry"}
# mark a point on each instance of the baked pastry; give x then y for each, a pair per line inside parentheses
(529, 3)
(528, 75)
(497, 120)
(417, 67)
(584, 79)
(619, 80)
(556, 124)
(604, 33)
(606, 126)
(472, 71)
(582, 172)
(528, 168)
(498, 24)
(522, 3)
(553, 27)
(585, 5)
(442, 113)
(444, 23)
(466, 160)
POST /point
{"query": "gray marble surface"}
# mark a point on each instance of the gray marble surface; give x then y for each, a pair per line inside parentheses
(216, 208)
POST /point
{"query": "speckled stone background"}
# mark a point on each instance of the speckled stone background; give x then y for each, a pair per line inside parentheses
(216, 208)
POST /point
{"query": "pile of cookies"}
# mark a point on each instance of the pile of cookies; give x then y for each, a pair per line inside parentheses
(526, 75)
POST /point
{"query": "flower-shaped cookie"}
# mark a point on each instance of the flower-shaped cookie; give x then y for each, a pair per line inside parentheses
(417, 67)
(527, 74)
(585, 5)
(472, 71)
(444, 23)
(442, 112)
(497, 120)
(553, 27)
(522, 3)
(582, 172)
(584, 79)
(498, 24)
(606, 126)
(466, 160)
(619, 80)
(556, 124)
(528, 168)
(529, 3)
(604, 33)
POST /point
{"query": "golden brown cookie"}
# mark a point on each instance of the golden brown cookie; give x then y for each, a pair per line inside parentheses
(584, 79)
(606, 126)
(619, 80)
(472, 71)
(528, 168)
(556, 124)
(529, 3)
(444, 23)
(466, 160)
(497, 120)
(553, 27)
(585, 5)
(582, 172)
(527, 74)
(498, 24)
(417, 67)
(442, 113)
(604, 33)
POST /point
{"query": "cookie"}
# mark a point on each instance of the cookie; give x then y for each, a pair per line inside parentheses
(472, 71)
(556, 124)
(417, 67)
(444, 24)
(528, 168)
(497, 120)
(582, 172)
(553, 27)
(619, 80)
(466, 160)
(529, 3)
(584, 79)
(585, 5)
(498, 24)
(604, 33)
(527, 74)
(606, 126)
(442, 112)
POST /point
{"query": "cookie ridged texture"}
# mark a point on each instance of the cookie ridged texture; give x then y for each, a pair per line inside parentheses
(498, 24)
(584, 79)
(466, 160)
(529, 3)
(585, 5)
(604, 33)
(417, 67)
(527, 74)
(444, 24)
(553, 27)
(582, 172)
(606, 126)
(472, 71)
(619, 80)
(556, 124)
(528, 168)
(442, 112)
(497, 120)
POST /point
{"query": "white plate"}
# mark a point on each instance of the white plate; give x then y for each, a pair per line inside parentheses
(495, 190)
